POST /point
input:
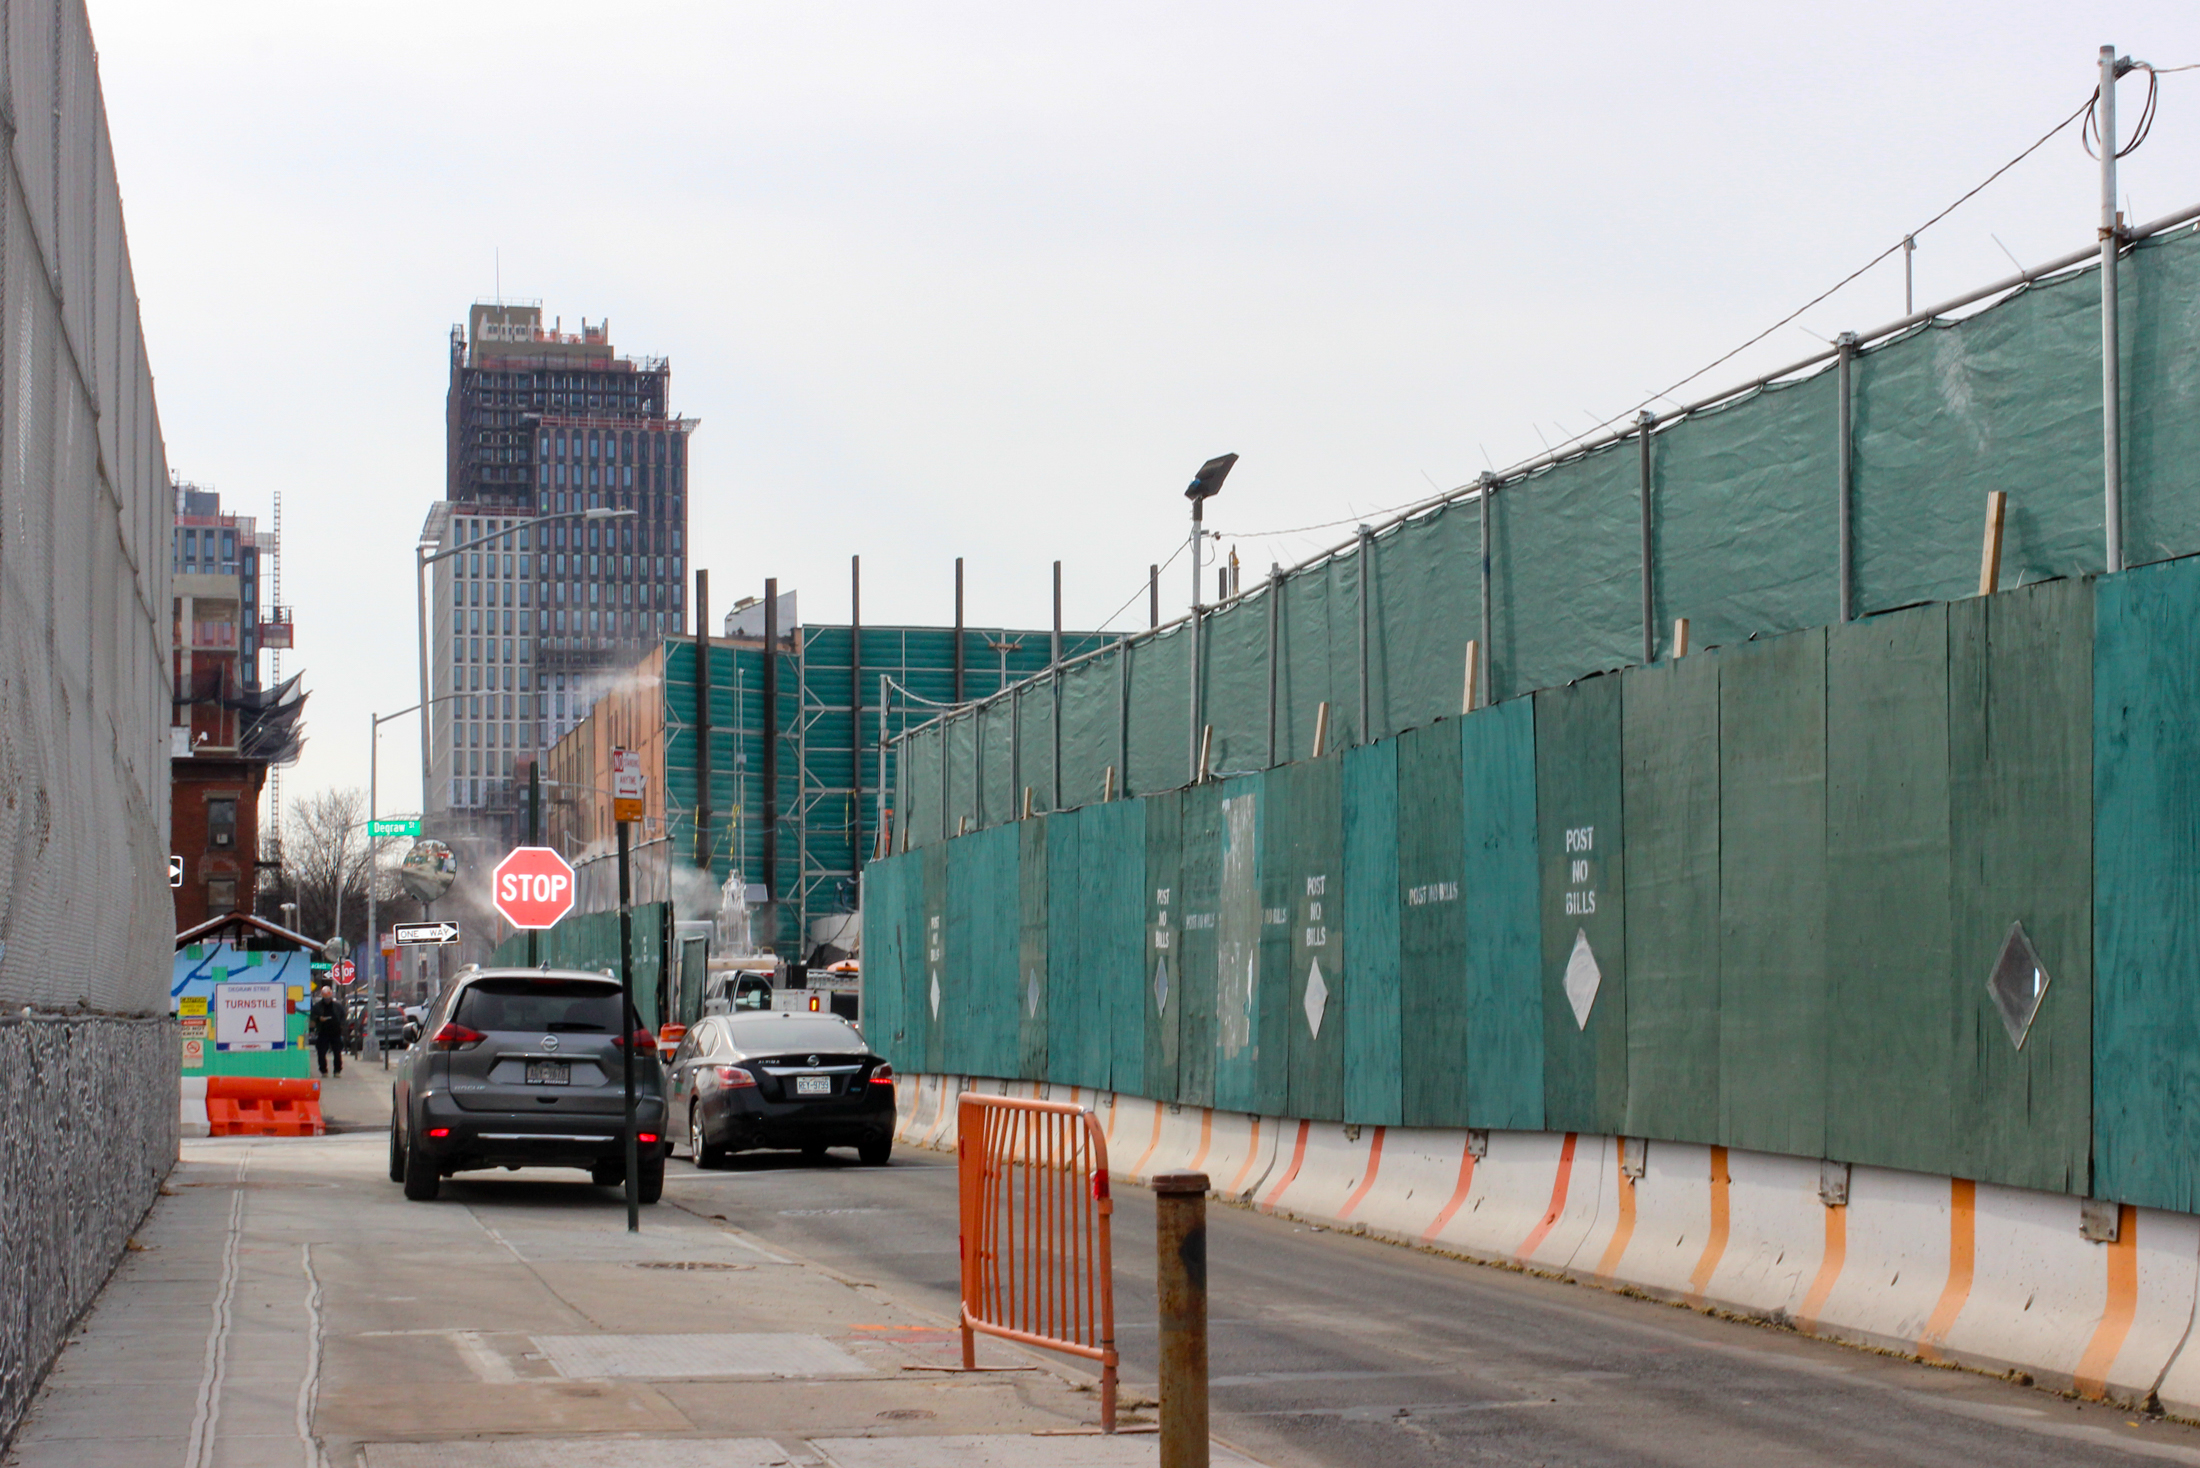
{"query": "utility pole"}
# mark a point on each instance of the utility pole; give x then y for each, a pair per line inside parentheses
(2112, 449)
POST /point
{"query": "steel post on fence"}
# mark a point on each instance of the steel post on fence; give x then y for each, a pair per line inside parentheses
(1180, 1285)
(1034, 1209)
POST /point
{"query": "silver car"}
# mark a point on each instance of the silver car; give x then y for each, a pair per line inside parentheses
(524, 1068)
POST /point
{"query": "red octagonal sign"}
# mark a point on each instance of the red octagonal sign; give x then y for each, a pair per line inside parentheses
(532, 887)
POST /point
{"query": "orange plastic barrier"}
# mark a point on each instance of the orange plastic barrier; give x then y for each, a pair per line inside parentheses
(1037, 1258)
(263, 1106)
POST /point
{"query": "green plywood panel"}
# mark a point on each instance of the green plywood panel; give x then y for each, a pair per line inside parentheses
(1160, 991)
(1031, 993)
(978, 1004)
(1320, 959)
(1772, 885)
(1580, 854)
(1504, 982)
(2020, 703)
(882, 958)
(1240, 942)
(1374, 1052)
(1274, 999)
(2146, 904)
(1112, 908)
(926, 1033)
(1076, 1056)
(1889, 1019)
(1434, 911)
(1670, 779)
(1200, 877)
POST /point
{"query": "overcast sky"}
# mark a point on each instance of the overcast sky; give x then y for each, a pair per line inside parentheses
(992, 280)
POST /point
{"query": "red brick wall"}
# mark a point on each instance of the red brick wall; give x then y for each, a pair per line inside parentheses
(198, 780)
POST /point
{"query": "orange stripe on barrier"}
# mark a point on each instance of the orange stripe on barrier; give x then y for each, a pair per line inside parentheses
(1962, 1260)
(1829, 1268)
(2117, 1311)
(1609, 1264)
(1558, 1200)
(1115, 1106)
(1374, 1160)
(1714, 1246)
(1298, 1159)
(1147, 1156)
(1206, 1136)
(1459, 1195)
(1252, 1150)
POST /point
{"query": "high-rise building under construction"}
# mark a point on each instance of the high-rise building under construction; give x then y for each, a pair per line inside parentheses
(567, 485)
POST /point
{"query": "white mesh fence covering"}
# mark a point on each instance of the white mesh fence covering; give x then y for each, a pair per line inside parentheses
(86, 916)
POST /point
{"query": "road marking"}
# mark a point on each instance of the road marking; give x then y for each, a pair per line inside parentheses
(1609, 1264)
(1962, 1260)
(680, 1357)
(1829, 1268)
(1374, 1161)
(207, 1419)
(1459, 1195)
(1714, 1246)
(309, 1381)
(2117, 1311)
(1558, 1200)
(1298, 1160)
(484, 1360)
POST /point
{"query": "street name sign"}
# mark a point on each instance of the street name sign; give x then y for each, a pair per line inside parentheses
(414, 934)
(532, 887)
(409, 826)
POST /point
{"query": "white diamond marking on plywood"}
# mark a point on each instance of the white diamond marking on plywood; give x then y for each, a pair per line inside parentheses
(1582, 979)
(935, 996)
(672, 1357)
(1161, 986)
(1317, 998)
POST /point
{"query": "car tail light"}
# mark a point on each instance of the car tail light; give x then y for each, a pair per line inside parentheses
(439, 1131)
(647, 1139)
(813, 1004)
(883, 1076)
(733, 1076)
(455, 1036)
(641, 1039)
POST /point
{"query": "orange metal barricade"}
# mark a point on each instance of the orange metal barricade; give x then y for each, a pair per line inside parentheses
(1037, 1263)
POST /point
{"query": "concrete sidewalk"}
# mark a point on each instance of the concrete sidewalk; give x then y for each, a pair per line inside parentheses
(284, 1304)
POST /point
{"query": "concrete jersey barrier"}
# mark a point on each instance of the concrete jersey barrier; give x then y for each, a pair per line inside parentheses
(1944, 1269)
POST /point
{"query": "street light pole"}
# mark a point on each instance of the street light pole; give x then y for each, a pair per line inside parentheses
(626, 1050)
(1205, 485)
(421, 561)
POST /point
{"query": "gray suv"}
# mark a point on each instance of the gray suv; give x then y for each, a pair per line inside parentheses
(523, 1068)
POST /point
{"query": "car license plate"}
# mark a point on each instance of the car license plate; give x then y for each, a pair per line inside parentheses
(549, 1073)
(813, 1085)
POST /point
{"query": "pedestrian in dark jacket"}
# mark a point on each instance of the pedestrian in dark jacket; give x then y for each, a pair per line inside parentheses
(326, 1019)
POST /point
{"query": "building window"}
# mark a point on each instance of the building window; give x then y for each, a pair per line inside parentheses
(221, 826)
(221, 894)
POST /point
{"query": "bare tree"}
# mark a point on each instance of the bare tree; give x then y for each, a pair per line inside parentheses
(327, 861)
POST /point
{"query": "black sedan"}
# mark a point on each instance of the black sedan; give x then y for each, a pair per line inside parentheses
(807, 1081)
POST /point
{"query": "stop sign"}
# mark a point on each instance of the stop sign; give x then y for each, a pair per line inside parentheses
(532, 887)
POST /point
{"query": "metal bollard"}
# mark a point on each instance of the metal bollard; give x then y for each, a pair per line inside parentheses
(1180, 1246)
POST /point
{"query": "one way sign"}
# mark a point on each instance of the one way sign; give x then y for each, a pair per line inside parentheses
(414, 934)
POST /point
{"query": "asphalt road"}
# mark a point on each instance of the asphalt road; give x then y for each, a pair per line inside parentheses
(1328, 1349)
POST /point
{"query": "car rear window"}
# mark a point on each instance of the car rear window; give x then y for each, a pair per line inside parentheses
(548, 1006)
(773, 1034)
